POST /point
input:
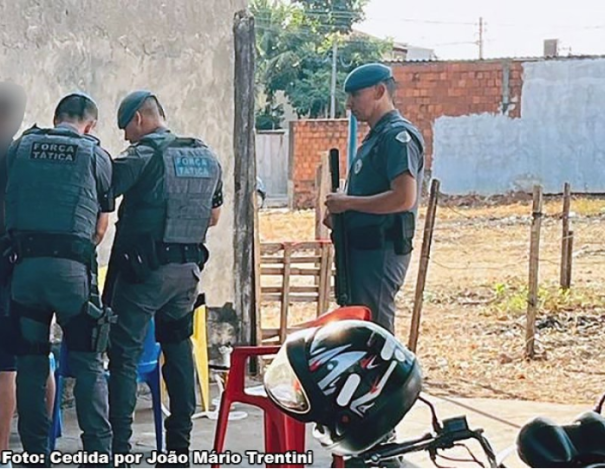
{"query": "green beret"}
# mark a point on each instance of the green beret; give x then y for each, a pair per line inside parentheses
(366, 76)
(130, 105)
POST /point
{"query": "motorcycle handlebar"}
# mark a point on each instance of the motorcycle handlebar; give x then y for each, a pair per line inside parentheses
(431, 443)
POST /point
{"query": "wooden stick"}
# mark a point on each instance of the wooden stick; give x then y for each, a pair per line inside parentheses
(322, 185)
(569, 259)
(322, 190)
(324, 273)
(429, 226)
(329, 278)
(274, 248)
(534, 264)
(565, 236)
(310, 272)
(293, 289)
(285, 297)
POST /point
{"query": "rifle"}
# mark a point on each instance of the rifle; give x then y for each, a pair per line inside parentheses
(339, 238)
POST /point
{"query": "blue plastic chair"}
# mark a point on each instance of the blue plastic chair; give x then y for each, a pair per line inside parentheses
(148, 372)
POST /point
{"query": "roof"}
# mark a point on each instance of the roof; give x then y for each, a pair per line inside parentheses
(498, 59)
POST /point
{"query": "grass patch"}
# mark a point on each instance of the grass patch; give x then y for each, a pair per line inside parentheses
(588, 207)
(511, 299)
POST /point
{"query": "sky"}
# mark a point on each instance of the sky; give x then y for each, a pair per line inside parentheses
(512, 28)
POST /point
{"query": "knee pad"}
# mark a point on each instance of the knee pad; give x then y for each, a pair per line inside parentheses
(78, 332)
(173, 332)
(16, 343)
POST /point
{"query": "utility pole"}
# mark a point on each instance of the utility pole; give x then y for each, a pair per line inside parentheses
(334, 69)
(480, 42)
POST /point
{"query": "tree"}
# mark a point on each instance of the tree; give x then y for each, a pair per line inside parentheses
(333, 16)
(294, 47)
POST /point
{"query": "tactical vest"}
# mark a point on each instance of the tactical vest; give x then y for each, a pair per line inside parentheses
(52, 186)
(374, 223)
(172, 201)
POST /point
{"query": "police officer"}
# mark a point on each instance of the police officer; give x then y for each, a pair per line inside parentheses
(383, 190)
(172, 194)
(57, 200)
(12, 107)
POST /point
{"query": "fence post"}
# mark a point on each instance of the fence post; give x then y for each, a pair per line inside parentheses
(534, 264)
(569, 259)
(565, 278)
(429, 226)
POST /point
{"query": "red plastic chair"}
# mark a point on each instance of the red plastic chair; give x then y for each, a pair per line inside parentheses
(282, 433)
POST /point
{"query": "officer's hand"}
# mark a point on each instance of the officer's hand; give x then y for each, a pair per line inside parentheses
(337, 203)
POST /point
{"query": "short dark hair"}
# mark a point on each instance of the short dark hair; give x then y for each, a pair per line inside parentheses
(76, 107)
(151, 106)
(391, 86)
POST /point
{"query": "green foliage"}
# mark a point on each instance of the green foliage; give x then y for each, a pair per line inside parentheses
(269, 117)
(294, 52)
(511, 299)
(330, 16)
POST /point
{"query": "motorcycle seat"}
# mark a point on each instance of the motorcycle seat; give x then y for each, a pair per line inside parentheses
(543, 443)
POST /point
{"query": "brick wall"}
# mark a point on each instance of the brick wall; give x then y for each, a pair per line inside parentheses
(309, 141)
(426, 91)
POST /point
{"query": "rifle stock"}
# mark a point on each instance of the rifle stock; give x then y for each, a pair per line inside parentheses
(339, 238)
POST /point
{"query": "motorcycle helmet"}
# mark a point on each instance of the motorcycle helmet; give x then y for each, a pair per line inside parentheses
(353, 379)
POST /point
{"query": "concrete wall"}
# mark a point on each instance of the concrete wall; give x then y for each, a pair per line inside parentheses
(430, 90)
(182, 50)
(558, 137)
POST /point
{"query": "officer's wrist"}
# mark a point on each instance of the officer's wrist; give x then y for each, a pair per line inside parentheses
(351, 202)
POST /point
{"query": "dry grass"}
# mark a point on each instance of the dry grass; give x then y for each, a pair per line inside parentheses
(473, 328)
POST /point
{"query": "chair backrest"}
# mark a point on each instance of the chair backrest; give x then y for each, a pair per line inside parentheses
(295, 263)
(151, 351)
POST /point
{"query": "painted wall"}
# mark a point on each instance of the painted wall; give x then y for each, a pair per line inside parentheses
(558, 137)
(427, 91)
(182, 50)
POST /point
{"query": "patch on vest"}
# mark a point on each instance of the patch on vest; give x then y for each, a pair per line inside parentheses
(192, 167)
(358, 166)
(59, 152)
(403, 137)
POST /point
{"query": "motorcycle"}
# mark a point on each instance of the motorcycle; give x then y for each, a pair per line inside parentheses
(541, 443)
(355, 381)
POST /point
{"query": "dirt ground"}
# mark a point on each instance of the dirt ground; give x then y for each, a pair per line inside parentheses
(472, 336)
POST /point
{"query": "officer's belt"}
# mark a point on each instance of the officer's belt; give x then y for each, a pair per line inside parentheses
(173, 253)
(378, 233)
(59, 246)
(374, 237)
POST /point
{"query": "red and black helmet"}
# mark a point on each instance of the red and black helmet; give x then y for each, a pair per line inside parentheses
(353, 379)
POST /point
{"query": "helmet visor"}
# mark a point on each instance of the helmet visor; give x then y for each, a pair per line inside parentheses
(283, 386)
